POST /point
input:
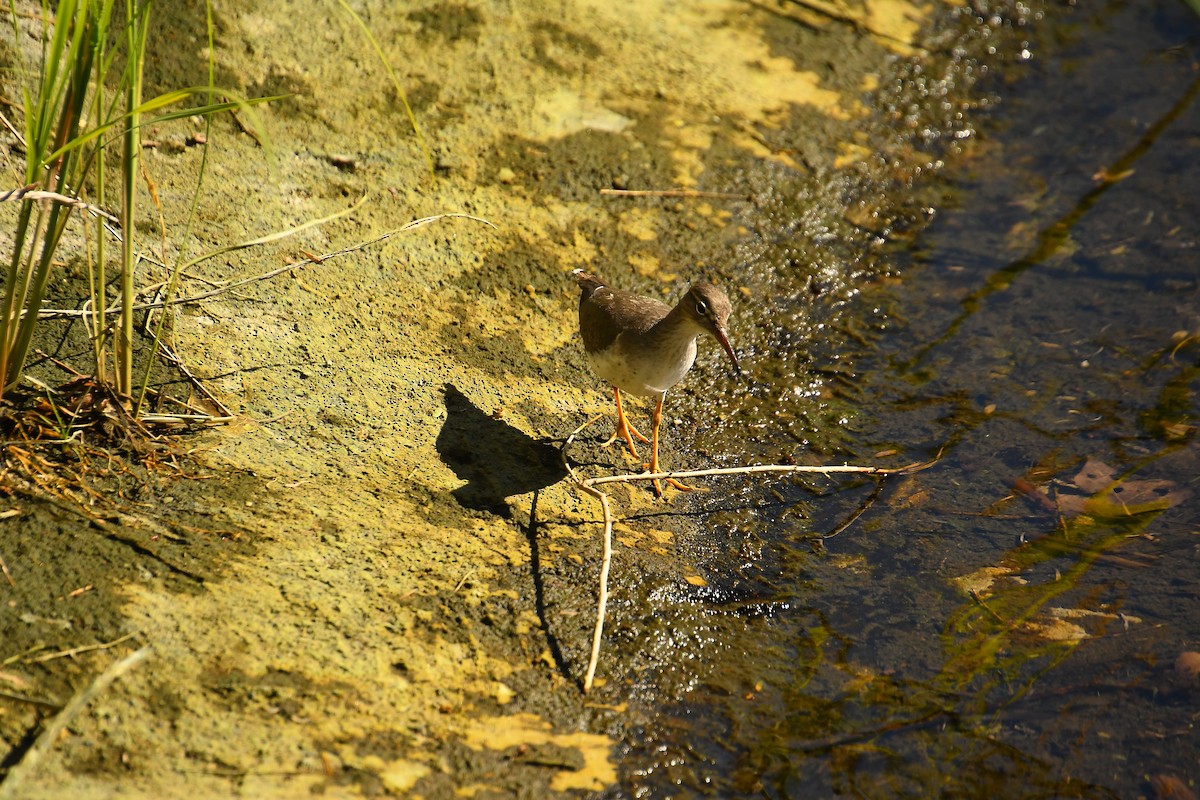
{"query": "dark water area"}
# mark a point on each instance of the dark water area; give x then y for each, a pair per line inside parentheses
(1007, 622)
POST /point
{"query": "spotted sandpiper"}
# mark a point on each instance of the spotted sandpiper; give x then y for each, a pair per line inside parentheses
(644, 346)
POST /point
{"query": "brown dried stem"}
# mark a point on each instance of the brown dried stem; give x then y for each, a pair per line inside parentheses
(21, 771)
(31, 192)
(262, 276)
(588, 485)
(674, 193)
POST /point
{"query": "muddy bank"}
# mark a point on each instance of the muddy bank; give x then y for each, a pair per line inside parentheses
(393, 594)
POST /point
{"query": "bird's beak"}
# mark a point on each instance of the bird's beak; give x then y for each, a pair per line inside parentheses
(723, 338)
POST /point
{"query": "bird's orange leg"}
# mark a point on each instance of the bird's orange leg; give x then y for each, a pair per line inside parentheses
(624, 429)
(653, 465)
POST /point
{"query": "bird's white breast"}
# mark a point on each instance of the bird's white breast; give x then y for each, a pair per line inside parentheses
(633, 370)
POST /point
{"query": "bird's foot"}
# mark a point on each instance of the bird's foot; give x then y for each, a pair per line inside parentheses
(674, 484)
(628, 433)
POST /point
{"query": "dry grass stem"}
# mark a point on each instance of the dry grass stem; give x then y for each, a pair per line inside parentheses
(185, 419)
(33, 701)
(3, 566)
(588, 485)
(756, 469)
(31, 192)
(87, 648)
(168, 353)
(673, 193)
(262, 276)
(23, 769)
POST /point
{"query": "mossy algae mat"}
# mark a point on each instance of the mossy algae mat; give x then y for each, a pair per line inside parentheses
(396, 595)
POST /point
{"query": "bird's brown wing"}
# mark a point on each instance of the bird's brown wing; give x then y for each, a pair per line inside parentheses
(604, 313)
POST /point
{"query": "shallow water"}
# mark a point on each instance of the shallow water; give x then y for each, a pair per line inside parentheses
(1041, 341)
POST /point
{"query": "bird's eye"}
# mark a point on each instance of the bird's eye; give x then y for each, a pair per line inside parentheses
(702, 308)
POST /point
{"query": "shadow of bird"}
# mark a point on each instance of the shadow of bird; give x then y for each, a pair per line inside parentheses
(495, 459)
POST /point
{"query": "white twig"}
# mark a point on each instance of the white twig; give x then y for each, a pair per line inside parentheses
(753, 470)
(588, 485)
(74, 651)
(31, 193)
(262, 276)
(602, 602)
(605, 562)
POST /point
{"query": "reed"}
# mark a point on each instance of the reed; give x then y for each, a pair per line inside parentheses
(83, 113)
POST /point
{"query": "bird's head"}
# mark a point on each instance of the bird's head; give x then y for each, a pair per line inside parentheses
(709, 308)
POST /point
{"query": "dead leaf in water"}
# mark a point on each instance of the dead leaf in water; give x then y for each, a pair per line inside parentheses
(1113, 498)
(1102, 175)
(1188, 664)
(1094, 476)
(1168, 787)
(1178, 430)
(981, 580)
(1055, 630)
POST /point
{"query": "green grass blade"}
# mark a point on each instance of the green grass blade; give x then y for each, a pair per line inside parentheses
(412, 119)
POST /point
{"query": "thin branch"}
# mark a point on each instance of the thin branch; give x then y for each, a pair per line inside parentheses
(602, 601)
(31, 192)
(588, 485)
(979, 599)
(8, 575)
(757, 469)
(674, 193)
(87, 648)
(858, 512)
(417, 223)
(606, 561)
(50, 734)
